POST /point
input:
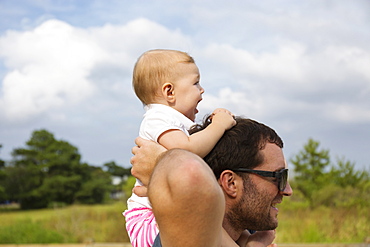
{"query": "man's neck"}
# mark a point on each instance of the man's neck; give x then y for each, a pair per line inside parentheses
(233, 233)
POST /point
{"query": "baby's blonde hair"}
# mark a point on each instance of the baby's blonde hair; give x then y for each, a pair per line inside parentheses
(152, 69)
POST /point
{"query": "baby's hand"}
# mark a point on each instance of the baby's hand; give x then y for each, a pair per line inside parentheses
(221, 110)
(223, 117)
(262, 238)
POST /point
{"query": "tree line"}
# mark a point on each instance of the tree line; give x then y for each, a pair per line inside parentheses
(49, 171)
(321, 182)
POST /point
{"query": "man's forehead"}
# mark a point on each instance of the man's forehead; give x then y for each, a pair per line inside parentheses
(273, 158)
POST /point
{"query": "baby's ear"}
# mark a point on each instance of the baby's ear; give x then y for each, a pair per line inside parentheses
(168, 91)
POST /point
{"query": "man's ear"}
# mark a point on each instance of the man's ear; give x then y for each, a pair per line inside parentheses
(229, 182)
(168, 92)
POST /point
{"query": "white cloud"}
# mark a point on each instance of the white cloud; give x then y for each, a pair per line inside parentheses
(349, 113)
(48, 68)
(295, 76)
(236, 102)
(126, 42)
(53, 66)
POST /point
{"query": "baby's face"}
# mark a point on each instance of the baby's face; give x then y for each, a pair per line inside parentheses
(187, 89)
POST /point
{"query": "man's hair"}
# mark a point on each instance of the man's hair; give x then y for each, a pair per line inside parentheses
(240, 146)
(152, 69)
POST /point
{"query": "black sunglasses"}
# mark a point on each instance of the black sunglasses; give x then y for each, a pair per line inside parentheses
(282, 175)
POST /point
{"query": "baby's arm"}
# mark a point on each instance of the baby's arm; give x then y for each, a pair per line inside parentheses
(202, 142)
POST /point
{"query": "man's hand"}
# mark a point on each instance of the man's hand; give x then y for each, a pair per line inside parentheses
(143, 162)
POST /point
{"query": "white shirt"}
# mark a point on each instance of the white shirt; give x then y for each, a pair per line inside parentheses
(158, 119)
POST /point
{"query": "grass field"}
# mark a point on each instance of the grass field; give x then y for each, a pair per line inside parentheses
(323, 225)
(74, 224)
(105, 223)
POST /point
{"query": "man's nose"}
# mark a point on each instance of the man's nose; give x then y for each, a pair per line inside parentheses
(288, 191)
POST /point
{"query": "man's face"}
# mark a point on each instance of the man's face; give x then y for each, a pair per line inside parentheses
(256, 207)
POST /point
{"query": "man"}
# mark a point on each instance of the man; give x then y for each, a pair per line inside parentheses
(192, 208)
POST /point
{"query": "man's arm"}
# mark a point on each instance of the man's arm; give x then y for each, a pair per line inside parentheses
(187, 201)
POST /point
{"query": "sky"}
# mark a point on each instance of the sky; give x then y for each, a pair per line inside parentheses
(300, 67)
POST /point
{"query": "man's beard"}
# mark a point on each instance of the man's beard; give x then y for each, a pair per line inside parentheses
(252, 211)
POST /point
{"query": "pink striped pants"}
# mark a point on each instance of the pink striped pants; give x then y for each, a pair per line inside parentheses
(141, 226)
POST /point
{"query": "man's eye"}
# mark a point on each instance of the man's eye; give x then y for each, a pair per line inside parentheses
(275, 179)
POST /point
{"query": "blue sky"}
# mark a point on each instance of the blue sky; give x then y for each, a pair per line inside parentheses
(301, 67)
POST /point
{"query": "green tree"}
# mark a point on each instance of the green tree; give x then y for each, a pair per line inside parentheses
(96, 189)
(55, 167)
(20, 183)
(354, 184)
(127, 186)
(309, 167)
(323, 183)
(3, 195)
(2, 163)
(344, 174)
(47, 171)
(116, 170)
